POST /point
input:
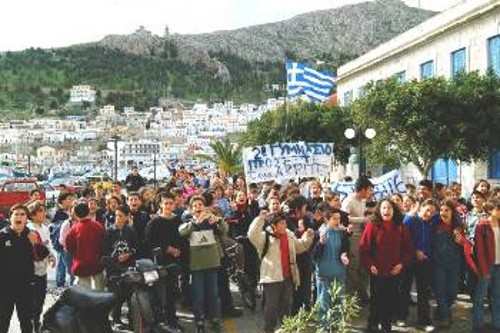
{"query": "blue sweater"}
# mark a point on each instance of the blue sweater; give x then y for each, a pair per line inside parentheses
(422, 233)
(327, 256)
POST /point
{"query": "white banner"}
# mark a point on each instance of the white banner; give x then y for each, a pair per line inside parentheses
(385, 185)
(287, 160)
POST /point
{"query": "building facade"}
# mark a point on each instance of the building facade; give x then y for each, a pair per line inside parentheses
(466, 37)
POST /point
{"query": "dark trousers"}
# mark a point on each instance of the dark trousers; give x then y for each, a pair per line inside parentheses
(39, 293)
(226, 299)
(251, 262)
(423, 273)
(405, 291)
(21, 297)
(123, 293)
(279, 301)
(446, 283)
(385, 300)
(303, 294)
(170, 298)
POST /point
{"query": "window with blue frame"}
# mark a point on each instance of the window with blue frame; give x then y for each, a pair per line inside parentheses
(361, 91)
(427, 69)
(347, 97)
(458, 62)
(400, 77)
(495, 164)
(494, 54)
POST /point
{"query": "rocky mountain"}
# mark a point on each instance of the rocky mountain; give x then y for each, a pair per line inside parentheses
(352, 29)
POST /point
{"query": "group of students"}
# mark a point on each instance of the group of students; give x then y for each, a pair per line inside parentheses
(441, 243)
(296, 240)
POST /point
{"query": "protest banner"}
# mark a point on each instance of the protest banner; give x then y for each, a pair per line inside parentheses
(384, 186)
(287, 160)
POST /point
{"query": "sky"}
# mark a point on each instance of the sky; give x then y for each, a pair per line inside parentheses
(58, 23)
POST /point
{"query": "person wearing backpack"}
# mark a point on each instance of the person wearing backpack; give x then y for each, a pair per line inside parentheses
(65, 202)
(279, 275)
(385, 249)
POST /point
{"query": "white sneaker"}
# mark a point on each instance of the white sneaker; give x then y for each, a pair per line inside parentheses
(429, 328)
(400, 323)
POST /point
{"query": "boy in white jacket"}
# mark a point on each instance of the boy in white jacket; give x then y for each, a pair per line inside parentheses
(277, 247)
(37, 215)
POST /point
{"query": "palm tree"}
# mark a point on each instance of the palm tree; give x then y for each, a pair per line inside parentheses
(227, 156)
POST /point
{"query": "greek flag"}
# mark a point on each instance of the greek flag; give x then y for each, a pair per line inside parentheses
(304, 80)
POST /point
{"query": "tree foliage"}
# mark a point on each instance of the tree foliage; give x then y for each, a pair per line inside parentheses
(301, 122)
(227, 156)
(421, 121)
(337, 318)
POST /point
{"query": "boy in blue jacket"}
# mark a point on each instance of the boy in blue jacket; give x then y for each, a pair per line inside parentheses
(423, 229)
(331, 258)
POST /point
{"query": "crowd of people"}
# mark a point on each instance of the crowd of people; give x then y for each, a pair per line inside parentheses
(295, 239)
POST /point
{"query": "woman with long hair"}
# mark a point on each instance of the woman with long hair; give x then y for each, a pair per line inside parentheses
(385, 249)
(447, 256)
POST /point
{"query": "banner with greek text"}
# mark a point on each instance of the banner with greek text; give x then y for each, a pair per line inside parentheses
(287, 160)
(385, 185)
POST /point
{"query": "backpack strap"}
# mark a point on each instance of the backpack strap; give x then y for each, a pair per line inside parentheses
(266, 243)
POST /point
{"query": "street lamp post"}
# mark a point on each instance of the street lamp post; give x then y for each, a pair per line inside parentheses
(154, 168)
(115, 139)
(350, 134)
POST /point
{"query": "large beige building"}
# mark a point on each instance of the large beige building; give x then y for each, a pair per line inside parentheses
(464, 37)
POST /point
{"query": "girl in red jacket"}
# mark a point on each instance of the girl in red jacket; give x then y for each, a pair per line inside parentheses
(487, 255)
(385, 249)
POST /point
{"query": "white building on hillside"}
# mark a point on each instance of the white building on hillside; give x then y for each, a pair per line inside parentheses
(82, 93)
(465, 37)
(138, 152)
(107, 110)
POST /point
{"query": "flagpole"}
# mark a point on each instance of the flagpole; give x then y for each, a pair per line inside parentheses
(286, 95)
(285, 103)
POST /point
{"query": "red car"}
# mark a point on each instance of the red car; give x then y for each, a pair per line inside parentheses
(17, 191)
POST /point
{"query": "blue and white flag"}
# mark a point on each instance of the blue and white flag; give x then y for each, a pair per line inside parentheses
(305, 80)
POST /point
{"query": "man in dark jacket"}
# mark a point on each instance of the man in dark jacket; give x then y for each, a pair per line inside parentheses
(120, 244)
(139, 221)
(163, 232)
(134, 180)
(18, 249)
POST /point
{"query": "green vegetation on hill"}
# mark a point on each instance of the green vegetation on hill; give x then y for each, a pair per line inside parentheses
(38, 80)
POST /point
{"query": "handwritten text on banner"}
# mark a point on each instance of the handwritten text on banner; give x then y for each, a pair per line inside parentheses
(287, 160)
(385, 185)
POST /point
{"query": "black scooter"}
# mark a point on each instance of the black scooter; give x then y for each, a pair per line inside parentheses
(80, 310)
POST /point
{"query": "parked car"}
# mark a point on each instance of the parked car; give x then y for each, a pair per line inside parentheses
(17, 191)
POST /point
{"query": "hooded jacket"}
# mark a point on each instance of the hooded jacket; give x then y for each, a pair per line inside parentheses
(120, 241)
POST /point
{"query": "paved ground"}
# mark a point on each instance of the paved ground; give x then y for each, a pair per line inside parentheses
(251, 322)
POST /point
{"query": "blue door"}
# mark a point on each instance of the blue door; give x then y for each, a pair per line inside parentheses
(444, 171)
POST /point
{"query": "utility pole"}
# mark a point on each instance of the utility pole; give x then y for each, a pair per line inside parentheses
(154, 168)
(115, 139)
